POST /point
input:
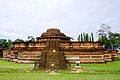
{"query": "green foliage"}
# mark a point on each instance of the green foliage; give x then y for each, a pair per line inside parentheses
(114, 39)
(10, 43)
(105, 40)
(84, 37)
(19, 40)
(92, 37)
(79, 38)
(5, 44)
(109, 38)
(30, 39)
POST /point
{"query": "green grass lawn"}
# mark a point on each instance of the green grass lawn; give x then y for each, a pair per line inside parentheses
(15, 71)
(110, 66)
(6, 64)
(40, 76)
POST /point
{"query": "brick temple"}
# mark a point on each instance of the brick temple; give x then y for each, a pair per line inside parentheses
(54, 48)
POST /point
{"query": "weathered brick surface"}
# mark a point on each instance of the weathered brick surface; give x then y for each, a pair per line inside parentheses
(52, 48)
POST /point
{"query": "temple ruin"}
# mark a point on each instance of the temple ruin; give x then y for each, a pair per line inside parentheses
(54, 49)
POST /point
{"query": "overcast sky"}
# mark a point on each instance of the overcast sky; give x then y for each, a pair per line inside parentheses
(23, 18)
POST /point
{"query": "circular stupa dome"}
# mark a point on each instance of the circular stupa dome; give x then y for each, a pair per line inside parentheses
(53, 33)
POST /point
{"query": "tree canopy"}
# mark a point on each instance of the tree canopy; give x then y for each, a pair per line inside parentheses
(30, 39)
(110, 39)
(19, 40)
(5, 44)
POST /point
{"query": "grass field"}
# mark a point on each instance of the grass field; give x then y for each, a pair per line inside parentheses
(39, 76)
(6, 64)
(15, 71)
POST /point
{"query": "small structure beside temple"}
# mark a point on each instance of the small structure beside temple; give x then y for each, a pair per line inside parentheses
(54, 50)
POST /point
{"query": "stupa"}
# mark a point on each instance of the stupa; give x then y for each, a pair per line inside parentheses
(53, 49)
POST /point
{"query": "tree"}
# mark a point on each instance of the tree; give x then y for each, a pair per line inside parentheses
(84, 37)
(92, 37)
(79, 38)
(105, 40)
(19, 40)
(87, 37)
(103, 34)
(109, 38)
(9, 43)
(31, 39)
(114, 39)
(104, 30)
(5, 44)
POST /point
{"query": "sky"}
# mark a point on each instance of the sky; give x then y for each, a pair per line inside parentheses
(23, 18)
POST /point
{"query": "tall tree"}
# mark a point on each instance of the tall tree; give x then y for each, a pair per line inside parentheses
(103, 34)
(92, 37)
(104, 30)
(81, 37)
(86, 37)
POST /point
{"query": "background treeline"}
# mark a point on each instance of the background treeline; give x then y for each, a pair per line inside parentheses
(110, 39)
(7, 44)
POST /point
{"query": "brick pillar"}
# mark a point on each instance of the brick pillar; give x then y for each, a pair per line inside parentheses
(53, 58)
